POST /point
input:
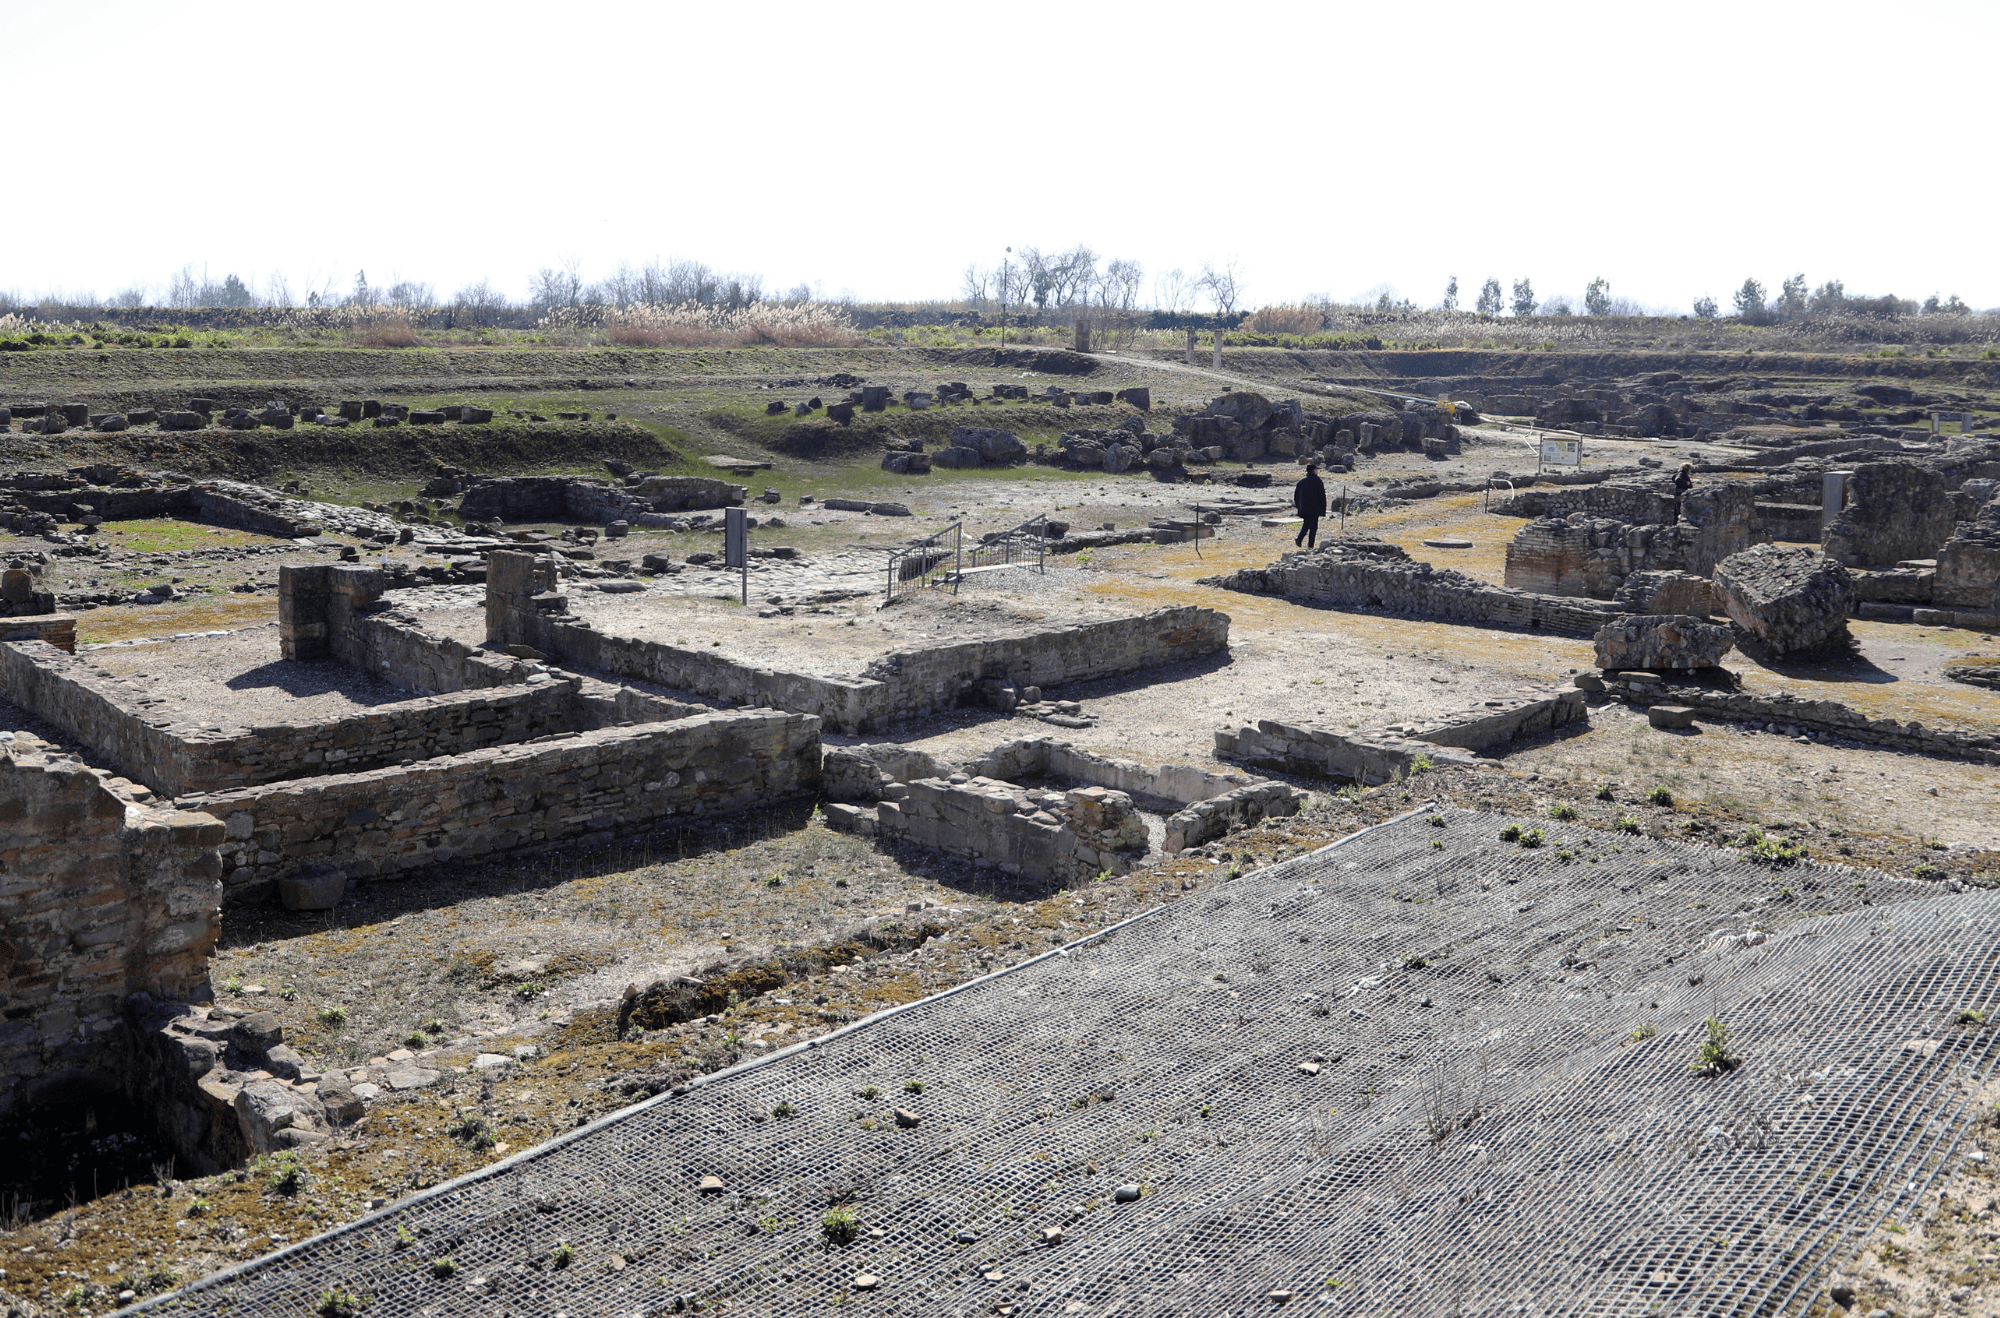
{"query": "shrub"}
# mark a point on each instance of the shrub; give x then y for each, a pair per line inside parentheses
(1643, 1033)
(1562, 810)
(444, 1268)
(1511, 833)
(564, 1255)
(1415, 962)
(471, 1128)
(1605, 793)
(1660, 796)
(840, 1226)
(784, 1110)
(332, 1015)
(1627, 824)
(338, 1303)
(1435, 821)
(284, 1174)
(914, 1087)
(1778, 851)
(1533, 838)
(1714, 1057)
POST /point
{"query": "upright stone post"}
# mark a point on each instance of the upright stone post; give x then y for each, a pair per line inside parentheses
(1190, 347)
(1833, 497)
(513, 613)
(1082, 334)
(1218, 350)
(305, 593)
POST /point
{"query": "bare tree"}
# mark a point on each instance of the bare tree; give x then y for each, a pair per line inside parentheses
(411, 295)
(799, 292)
(478, 304)
(184, 288)
(1174, 290)
(973, 284)
(1118, 286)
(1450, 295)
(133, 296)
(1224, 283)
(1073, 275)
(556, 287)
(277, 290)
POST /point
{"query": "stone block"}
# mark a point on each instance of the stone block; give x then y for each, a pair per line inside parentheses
(1662, 641)
(1670, 716)
(1785, 599)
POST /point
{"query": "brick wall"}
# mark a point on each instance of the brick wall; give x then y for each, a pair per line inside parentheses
(590, 786)
(99, 898)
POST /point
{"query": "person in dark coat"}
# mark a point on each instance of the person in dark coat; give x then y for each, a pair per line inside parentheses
(1683, 480)
(1309, 497)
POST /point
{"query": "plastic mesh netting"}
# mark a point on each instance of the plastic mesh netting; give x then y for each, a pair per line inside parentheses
(1484, 1133)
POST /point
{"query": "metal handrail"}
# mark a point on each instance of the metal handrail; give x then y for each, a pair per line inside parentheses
(1011, 548)
(921, 563)
(1486, 503)
(930, 562)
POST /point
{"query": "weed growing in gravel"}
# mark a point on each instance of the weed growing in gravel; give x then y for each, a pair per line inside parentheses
(1606, 793)
(840, 1226)
(1533, 838)
(335, 1016)
(1714, 1057)
(914, 1087)
(1660, 796)
(1627, 824)
(1778, 851)
(444, 1268)
(404, 1236)
(338, 1303)
(284, 1174)
(1562, 810)
(471, 1128)
(197, 1208)
(1969, 1017)
(1643, 1033)
(563, 1254)
(784, 1110)
(1422, 764)
(1511, 833)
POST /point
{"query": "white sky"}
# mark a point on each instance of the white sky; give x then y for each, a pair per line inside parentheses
(877, 147)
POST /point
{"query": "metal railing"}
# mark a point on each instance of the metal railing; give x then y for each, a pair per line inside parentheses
(1023, 546)
(943, 558)
(930, 561)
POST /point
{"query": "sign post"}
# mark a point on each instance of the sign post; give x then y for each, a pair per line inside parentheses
(1560, 453)
(736, 544)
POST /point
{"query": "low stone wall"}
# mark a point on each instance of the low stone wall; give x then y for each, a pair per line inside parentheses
(521, 610)
(1059, 837)
(174, 758)
(1327, 578)
(590, 786)
(1215, 816)
(1369, 758)
(100, 898)
(55, 629)
(591, 499)
(1170, 785)
(1382, 755)
(1827, 718)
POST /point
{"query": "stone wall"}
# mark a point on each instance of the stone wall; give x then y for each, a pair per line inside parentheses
(1575, 555)
(1059, 837)
(589, 499)
(1170, 786)
(174, 758)
(1337, 578)
(1380, 755)
(1648, 502)
(521, 610)
(1370, 758)
(1794, 715)
(1895, 511)
(1968, 565)
(587, 787)
(99, 898)
(55, 629)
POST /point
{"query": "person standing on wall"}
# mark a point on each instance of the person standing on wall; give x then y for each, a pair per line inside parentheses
(1683, 480)
(1309, 498)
